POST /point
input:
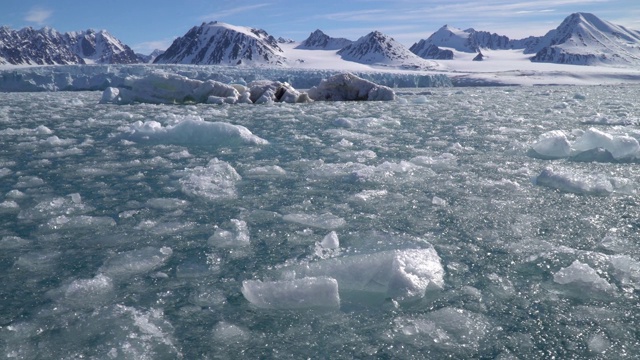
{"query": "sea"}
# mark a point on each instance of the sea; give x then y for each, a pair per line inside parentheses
(417, 228)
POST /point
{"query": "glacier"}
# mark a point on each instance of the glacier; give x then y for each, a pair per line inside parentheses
(473, 222)
(101, 77)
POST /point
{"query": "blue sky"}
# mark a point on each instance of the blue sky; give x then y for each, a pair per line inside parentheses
(148, 24)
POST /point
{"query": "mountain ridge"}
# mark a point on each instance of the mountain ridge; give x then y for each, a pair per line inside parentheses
(46, 46)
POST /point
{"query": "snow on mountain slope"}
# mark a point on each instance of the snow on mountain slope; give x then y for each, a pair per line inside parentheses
(28, 46)
(102, 48)
(584, 39)
(47, 46)
(466, 41)
(321, 41)
(223, 44)
(377, 48)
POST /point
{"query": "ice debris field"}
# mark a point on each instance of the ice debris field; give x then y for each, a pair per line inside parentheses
(445, 223)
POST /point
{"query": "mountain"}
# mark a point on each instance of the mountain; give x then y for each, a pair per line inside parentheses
(217, 43)
(47, 46)
(148, 59)
(469, 41)
(377, 48)
(426, 50)
(584, 39)
(321, 41)
(100, 47)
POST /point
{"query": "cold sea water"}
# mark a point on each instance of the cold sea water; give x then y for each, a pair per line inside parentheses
(126, 235)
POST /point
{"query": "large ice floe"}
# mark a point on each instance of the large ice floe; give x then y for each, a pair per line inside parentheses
(166, 88)
(192, 130)
(401, 275)
(592, 145)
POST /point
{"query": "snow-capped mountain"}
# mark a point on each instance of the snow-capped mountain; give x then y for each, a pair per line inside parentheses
(584, 39)
(321, 41)
(47, 46)
(469, 41)
(102, 48)
(224, 44)
(377, 48)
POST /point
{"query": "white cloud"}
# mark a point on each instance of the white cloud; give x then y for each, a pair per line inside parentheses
(236, 10)
(38, 15)
(149, 46)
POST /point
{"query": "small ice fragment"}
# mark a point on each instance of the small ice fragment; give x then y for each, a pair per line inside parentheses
(323, 221)
(237, 236)
(438, 201)
(305, 293)
(330, 241)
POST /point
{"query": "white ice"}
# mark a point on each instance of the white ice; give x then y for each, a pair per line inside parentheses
(326, 221)
(305, 293)
(585, 184)
(135, 262)
(620, 146)
(582, 279)
(214, 182)
(401, 274)
(237, 235)
(345, 87)
(192, 131)
(552, 145)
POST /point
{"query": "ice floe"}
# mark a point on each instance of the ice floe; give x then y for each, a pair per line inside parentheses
(167, 88)
(192, 131)
(592, 145)
(305, 293)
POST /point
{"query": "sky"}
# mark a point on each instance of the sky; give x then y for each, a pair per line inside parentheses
(146, 25)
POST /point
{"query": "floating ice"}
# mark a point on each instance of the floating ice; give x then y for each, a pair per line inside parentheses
(9, 206)
(237, 236)
(330, 241)
(229, 333)
(627, 270)
(323, 221)
(575, 183)
(64, 222)
(193, 131)
(348, 87)
(448, 328)
(265, 91)
(135, 262)
(85, 293)
(166, 88)
(551, 145)
(47, 209)
(216, 181)
(582, 279)
(305, 293)
(620, 146)
(398, 274)
(265, 172)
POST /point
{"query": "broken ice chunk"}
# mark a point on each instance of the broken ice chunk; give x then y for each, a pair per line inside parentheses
(136, 262)
(237, 236)
(309, 292)
(397, 274)
(583, 279)
(551, 145)
(330, 241)
(323, 221)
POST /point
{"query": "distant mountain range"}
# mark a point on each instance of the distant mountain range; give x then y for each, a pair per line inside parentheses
(49, 47)
(581, 39)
